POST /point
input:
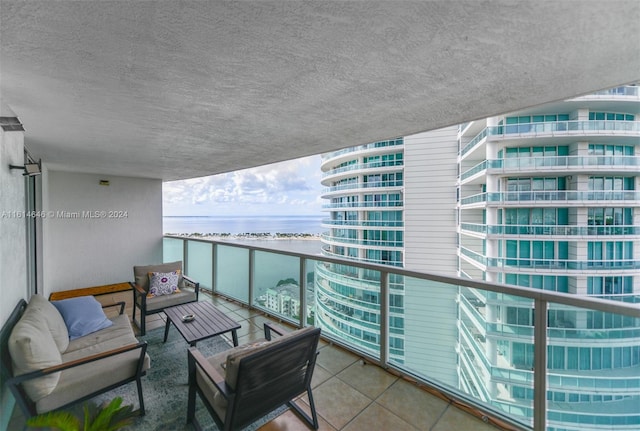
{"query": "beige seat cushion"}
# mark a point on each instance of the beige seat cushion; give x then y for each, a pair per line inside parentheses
(165, 301)
(82, 380)
(117, 335)
(32, 348)
(211, 393)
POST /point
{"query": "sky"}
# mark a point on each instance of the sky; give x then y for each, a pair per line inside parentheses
(286, 188)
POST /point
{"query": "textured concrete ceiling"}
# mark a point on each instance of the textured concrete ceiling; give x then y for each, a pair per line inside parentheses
(179, 89)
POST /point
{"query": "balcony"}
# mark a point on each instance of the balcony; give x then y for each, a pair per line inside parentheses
(553, 198)
(390, 185)
(358, 308)
(563, 164)
(547, 231)
(555, 129)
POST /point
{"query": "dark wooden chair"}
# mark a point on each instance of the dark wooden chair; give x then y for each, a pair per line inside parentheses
(245, 383)
(189, 292)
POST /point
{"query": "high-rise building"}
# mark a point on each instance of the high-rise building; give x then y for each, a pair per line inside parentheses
(364, 186)
(546, 198)
(549, 199)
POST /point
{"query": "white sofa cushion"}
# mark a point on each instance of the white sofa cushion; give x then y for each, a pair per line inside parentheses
(54, 319)
(32, 348)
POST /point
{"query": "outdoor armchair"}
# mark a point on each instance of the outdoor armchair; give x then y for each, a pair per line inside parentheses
(150, 299)
(245, 383)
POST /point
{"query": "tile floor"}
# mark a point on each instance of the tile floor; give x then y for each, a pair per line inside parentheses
(349, 394)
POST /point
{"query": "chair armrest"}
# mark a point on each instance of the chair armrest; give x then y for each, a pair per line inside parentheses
(142, 345)
(138, 290)
(115, 304)
(269, 327)
(191, 282)
(212, 374)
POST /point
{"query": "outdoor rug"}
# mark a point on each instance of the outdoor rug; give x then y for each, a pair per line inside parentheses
(165, 386)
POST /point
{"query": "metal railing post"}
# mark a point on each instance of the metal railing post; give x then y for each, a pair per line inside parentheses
(214, 255)
(540, 365)
(185, 256)
(384, 318)
(252, 261)
(303, 292)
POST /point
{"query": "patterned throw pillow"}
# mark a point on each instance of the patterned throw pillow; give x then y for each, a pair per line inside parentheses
(163, 283)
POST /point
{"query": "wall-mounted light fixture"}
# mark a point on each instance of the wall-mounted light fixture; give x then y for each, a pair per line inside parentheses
(30, 169)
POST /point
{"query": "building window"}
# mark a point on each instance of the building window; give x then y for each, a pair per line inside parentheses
(613, 285)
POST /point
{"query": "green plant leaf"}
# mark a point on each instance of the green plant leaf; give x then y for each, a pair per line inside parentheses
(111, 417)
(63, 421)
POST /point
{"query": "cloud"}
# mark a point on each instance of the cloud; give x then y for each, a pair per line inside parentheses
(291, 187)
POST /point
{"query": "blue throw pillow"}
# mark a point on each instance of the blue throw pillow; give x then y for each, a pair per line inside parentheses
(82, 315)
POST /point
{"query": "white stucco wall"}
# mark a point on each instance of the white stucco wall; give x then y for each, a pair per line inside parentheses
(94, 234)
(13, 251)
(13, 244)
(430, 175)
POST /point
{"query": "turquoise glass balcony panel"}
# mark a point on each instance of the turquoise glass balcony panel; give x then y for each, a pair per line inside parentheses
(558, 230)
(348, 306)
(199, 262)
(554, 128)
(431, 334)
(277, 285)
(232, 272)
(593, 356)
(172, 249)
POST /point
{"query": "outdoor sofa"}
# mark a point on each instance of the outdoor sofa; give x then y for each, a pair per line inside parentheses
(46, 368)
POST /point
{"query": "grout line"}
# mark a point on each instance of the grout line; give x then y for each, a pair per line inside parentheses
(440, 417)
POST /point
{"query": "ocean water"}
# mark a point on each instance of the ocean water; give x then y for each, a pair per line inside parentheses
(242, 224)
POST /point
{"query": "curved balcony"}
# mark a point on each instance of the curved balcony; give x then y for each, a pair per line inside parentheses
(554, 129)
(384, 165)
(513, 264)
(554, 164)
(513, 331)
(355, 281)
(618, 381)
(374, 145)
(361, 223)
(328, 253)
(550, 230)
(367, 186)
(562, 197)
(362, 242)
(381, 205)
(613, 93)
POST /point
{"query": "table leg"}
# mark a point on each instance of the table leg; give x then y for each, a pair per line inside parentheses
(166, 330)
(234, 335)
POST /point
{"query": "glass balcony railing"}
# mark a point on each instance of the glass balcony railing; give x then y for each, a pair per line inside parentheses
(552, 196)
(630, 90)
(365, 204)
(370, 185)
(546, 230)
(554, 128)
(380, 144)
(362, 166)
(497, 347)
(366, 242)
(365, 223)
(528, 264)
(554, 163)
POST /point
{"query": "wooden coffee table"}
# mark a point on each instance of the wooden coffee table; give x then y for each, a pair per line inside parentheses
(208, 322)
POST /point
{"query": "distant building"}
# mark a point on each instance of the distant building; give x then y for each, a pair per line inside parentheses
(284, 300)
(546, 198)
